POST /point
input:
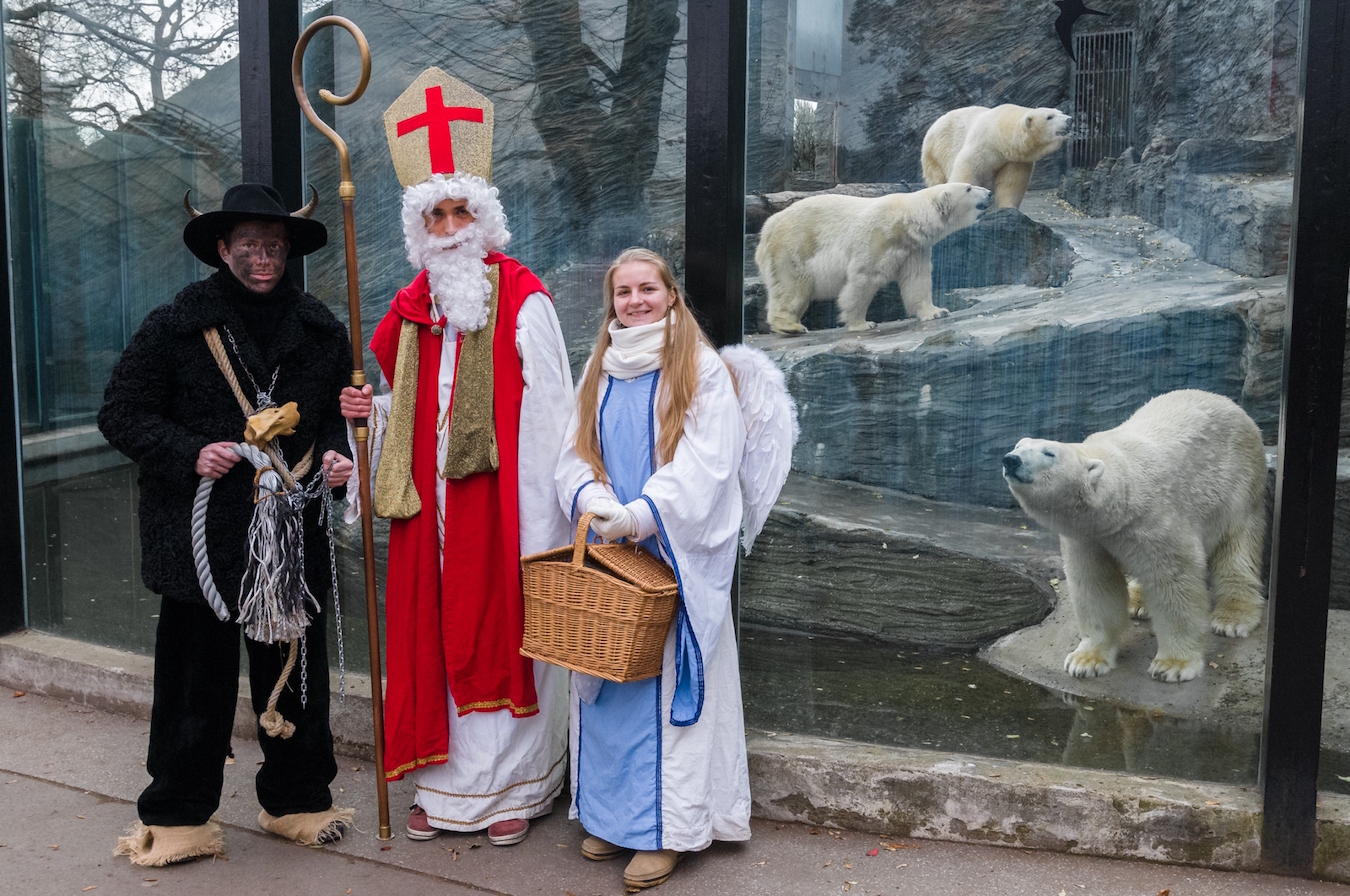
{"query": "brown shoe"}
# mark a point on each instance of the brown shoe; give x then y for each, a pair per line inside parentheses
(508, 832)
(650, 868)
(598, 850)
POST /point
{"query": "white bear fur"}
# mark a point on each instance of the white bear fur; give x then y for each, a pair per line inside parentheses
(848, 247)
(995, 148)
(1175, 492)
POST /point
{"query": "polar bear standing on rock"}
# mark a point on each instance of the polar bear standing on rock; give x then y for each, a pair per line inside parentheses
(847, 247)
(995, 148)
(1174, 492)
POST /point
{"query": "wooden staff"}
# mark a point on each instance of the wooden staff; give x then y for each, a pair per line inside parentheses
(347, 193)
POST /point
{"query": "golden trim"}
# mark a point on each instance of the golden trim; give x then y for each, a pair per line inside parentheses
(516, 711)
(552, 795)
(485, 796)
(406, 767)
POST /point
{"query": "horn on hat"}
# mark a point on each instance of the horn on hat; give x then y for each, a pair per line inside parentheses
(192, 212)
(308, 208)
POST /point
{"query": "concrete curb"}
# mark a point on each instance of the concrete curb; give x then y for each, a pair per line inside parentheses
(836, 784)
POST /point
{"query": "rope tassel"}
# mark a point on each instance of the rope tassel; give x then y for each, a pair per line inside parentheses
(274, 599)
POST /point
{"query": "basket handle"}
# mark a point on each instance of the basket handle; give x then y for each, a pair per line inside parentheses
(579, 549)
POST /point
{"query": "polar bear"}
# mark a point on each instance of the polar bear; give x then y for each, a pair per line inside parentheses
(848, 247)
(1173, 493)
(995, 148)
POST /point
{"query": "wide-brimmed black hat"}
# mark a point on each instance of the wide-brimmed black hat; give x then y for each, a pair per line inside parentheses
(252, 202)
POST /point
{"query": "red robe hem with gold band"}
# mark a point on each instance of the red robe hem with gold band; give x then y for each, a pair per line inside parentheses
(459, 622)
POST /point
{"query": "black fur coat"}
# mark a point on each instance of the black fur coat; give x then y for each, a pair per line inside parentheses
(167, 399)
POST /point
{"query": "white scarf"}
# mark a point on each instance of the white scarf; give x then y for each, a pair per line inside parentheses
(634, 351)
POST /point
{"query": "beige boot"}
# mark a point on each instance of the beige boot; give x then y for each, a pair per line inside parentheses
(309, 828)
(156, 844)
(598, 850)
(650, 868)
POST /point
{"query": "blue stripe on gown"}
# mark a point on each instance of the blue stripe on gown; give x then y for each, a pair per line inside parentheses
(619, 749)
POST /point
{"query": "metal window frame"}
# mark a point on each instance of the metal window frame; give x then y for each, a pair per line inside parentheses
(715, 167)
(1310, 420)
(270, 122)
(13, 578)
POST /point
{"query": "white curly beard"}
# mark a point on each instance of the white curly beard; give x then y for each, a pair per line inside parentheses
(457, 275)
(454, 264)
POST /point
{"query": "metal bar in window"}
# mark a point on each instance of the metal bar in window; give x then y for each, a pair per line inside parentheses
(12, 579)
(714, 186)
(269, 113)
(1305, 482)
(714, 189)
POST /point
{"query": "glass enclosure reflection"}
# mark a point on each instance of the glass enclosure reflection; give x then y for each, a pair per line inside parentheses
(114, 112)
(899, 595)
(588, 155)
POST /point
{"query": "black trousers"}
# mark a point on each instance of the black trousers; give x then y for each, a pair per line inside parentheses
(196, 687)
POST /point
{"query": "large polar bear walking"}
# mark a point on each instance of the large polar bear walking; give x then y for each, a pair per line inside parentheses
(848, 247)
(1174, 492)
(995, 148)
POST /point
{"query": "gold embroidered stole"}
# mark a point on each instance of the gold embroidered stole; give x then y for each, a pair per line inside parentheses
(472, 439)
(395, 496)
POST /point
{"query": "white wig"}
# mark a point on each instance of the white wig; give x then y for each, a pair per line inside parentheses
(483, 204)
(456, 271)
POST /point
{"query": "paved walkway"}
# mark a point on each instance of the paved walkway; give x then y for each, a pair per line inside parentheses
(69, 776)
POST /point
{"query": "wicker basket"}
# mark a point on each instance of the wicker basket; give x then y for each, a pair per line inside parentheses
(602, 609)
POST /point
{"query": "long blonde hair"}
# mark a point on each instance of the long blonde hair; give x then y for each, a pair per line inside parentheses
(679, 368)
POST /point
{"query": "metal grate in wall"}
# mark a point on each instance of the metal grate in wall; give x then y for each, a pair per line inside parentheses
(1103, 114)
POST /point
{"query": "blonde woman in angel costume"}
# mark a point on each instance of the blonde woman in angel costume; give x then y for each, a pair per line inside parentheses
(666, 450)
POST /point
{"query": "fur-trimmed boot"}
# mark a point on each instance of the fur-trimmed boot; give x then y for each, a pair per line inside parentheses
(309, 828)
(154, 845)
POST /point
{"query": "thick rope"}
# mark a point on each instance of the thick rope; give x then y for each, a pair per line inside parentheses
(271, 720)
(223, 362)
(272, 468)
(260, 461)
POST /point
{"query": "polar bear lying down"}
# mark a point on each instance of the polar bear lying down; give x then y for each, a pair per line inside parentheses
(1174, 493)
(848, 247)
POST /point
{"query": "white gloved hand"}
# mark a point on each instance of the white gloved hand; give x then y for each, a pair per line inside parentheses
(612, 520)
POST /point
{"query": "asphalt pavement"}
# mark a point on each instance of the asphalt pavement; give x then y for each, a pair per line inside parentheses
(70, 774)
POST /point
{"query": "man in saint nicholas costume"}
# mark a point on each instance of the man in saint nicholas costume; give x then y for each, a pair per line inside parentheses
(477, 393)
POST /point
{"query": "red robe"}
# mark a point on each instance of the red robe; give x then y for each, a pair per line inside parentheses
(462, 624)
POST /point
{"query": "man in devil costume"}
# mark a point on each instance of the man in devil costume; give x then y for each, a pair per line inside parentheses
(170, 408)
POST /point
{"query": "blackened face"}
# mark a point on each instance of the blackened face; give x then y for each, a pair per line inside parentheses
(256, 254)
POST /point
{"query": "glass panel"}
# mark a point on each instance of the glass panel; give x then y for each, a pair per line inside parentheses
(113, 114)
(899, 594)
(588, 153)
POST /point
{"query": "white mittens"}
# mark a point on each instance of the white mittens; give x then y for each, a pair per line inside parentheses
(612, 520)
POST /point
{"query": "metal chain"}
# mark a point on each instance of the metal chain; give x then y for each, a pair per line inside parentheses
(264, 398)
(327, 512)
(304, 670)
(319, 487)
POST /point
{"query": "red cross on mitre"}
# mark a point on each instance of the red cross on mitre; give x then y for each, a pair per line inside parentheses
(436, 119)
(439, 125)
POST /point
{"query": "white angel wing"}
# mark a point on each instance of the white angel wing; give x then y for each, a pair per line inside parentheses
(770, 432)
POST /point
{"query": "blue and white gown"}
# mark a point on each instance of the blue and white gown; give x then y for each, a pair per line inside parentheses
(660, 763)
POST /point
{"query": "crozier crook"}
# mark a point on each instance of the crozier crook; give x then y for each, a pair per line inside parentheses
(361, 432)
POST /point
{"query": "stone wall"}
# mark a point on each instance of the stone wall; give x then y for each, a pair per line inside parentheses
(904, 65)
(1230, 199)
